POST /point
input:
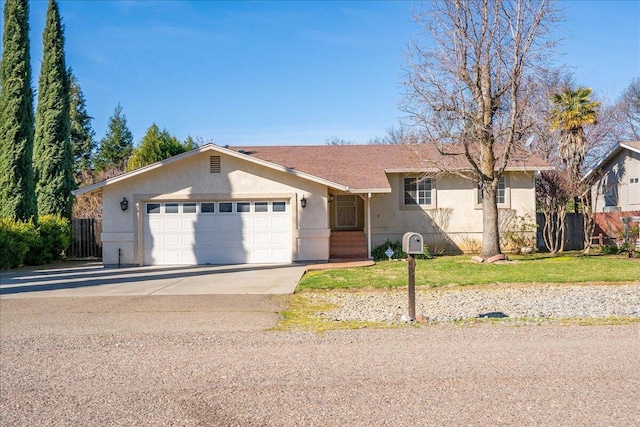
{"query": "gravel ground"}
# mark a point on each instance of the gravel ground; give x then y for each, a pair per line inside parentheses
(514, 302)
(56, 372)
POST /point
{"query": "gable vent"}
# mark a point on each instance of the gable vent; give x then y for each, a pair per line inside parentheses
(214, 164)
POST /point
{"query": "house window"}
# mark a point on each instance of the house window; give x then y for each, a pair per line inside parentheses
(243, 207)
(417, 191)
(279, 206)
(225, 207)
(189, 207)
(170, 208)
(261, 207)
(207, 207)
(611, 196)
(153, 208)
(501, 191)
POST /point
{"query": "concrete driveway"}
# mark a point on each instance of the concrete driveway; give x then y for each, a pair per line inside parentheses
(91, 279)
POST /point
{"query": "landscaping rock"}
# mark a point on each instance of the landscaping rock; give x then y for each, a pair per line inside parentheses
(460, 303)
(499, 257)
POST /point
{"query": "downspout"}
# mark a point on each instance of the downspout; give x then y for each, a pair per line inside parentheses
(369, 225)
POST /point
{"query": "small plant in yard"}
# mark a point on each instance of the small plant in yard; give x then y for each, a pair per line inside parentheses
(470, 245)
(378, 253)
(521, 233)
(629, 240)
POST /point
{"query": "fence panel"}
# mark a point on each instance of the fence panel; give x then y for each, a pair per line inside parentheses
(574, 231)
(86, 241)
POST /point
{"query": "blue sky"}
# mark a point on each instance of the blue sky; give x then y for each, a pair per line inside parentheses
(273, 73)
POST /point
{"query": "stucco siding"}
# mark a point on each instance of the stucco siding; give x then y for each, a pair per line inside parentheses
(615, 189)
(191, 179)
(454, 219)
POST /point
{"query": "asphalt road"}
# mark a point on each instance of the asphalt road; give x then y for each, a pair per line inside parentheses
(196, 361)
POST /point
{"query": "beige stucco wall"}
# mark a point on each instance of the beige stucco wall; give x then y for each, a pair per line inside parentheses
(453, 197)
(190, 179)
(616, 175)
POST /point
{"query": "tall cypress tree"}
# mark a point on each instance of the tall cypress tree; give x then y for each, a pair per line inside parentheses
(53, 158)
(17, 196)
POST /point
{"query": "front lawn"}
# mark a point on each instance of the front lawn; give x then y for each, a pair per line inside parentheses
(460, 270)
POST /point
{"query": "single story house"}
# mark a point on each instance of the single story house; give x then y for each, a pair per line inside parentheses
(282, 204)
(616, 179)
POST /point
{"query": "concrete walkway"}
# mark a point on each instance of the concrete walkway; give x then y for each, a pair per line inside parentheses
(91, 279)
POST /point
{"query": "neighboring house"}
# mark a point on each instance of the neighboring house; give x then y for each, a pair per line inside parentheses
(616, 179)
(615, 191)
(217, 205)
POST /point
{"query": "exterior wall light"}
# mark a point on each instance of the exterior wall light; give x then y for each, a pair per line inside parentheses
(330, 198)
(303, 202)
(124, 204)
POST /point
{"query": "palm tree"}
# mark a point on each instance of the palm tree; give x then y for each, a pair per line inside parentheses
(573, 110)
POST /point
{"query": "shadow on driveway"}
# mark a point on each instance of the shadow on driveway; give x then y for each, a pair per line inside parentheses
(178, 280)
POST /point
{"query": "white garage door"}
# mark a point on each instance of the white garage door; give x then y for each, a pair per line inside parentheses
(217, 232)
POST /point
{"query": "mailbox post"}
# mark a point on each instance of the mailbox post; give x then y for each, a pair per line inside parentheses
(412, 244)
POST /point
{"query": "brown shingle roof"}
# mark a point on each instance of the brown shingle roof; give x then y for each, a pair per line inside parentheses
(363, 166)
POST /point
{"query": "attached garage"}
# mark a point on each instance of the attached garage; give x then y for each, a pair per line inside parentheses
(217, 232)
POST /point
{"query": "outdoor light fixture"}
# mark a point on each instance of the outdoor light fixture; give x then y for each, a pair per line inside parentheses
(124, 204)
(330, 198)
(303, 202)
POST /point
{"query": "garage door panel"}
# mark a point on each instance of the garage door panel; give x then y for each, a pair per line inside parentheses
(188, 239)
(261, 239)
(217, 238)
(280, 254)
(171, 240)
(279, 239)
(188, 224)
(280, 223)
(261, 255)
(171, 224)
(261, 223)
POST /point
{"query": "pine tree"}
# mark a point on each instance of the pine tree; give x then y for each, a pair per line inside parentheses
(82, 135)
(117, 144)
(17, 195)
(52, 155)
(157, 145)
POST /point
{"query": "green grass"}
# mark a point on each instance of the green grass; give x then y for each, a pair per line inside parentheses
(302, 314)
(460, 270)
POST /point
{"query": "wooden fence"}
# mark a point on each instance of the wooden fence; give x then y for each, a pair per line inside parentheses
(86, 241)
(574, 232)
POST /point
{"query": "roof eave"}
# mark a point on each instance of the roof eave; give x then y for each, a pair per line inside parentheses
(96, 189)
(369, 190)
(436, 170)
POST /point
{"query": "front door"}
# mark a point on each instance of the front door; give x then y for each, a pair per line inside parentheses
(346, 211)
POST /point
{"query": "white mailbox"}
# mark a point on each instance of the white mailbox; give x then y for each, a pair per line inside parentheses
(413, 243)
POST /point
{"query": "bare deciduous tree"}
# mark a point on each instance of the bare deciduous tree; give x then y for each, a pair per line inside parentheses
(631, 107)
(466, 91)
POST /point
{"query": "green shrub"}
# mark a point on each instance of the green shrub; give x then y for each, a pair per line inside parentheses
(378, 253)
(16, 237)
(54, 234)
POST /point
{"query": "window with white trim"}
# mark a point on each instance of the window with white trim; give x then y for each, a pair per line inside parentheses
(207, 207)
(225, 207)
(171, 208)
(243, 207)
(261, 207)
(189, 207)
(417, 191)
(501, 191)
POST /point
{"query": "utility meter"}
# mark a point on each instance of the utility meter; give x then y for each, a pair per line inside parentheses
(413, 243)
